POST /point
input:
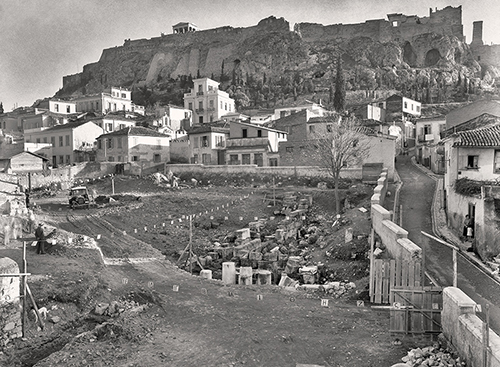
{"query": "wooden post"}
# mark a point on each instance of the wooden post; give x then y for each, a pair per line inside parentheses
(23, 318)
(401, 216)
(372, 245)
(113, 184)
(486, 336)
(190, 243)
(455, 269)
(40, 321)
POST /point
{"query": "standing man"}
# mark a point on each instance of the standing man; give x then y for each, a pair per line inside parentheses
(40, 236)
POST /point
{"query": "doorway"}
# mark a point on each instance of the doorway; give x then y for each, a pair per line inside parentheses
(472, 216)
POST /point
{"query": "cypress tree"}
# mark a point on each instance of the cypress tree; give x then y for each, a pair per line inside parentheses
(339, 96)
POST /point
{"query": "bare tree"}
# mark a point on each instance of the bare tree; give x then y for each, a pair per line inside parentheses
(338, 142)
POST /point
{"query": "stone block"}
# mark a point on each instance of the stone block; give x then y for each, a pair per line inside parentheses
(243, 233)
(228, 273)
(245, 277)
(206, 274)
(263, 277)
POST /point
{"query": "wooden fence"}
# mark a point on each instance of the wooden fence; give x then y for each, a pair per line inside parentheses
(386, 274)
(416, 310)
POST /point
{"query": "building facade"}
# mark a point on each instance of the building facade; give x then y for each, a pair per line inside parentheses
(68, 141)
(207, 101)
(113, 99)
(208, 144)
(253, 144)
(474, 155)
(133, 144)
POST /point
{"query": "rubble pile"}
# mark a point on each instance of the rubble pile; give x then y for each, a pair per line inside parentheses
(72, 240)
(432, 356)
(287, 248)
(116, 308)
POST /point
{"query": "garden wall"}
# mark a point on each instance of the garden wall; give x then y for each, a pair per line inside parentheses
(349, 173)
(463, 329)
(394, 238)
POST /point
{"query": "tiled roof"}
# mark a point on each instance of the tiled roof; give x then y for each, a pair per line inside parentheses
(216, 127)
(473, 110)
(483, 137)
(483, 120)
(136, 131)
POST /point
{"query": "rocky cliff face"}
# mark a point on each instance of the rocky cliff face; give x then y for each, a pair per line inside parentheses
(269, 63)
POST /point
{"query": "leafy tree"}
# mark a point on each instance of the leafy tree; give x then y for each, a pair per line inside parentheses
(339, 96)
(337, 143)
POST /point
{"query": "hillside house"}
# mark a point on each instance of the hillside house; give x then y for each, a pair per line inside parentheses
(207, 101)
(24, 162)
(313, 108)
(430, 131)
(207, 143)
(303, 130)
(13, 121)
(370, 111)
(111, 100)
(133, 144)
(174, 117)
(399, 107)
(71, 143)
(475, 155)
(253, 144)
(58, 106)
(115, 121)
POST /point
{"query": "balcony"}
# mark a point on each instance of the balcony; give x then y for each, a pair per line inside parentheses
(211, 109)
(247, 142)
(200, 110)
(425, 138)
(199, 93)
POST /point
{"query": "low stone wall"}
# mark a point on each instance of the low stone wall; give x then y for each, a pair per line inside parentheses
(463, 329)
(64, 176)
(10, 305)
(303, 171)
(393, 237)
(380, 190)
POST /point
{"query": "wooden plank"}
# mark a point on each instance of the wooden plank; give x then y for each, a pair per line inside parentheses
(385, 282)
(372, 272)
(411, 273)
(398, 274)
(418, 275)
(392, 279)
(404, 274)
(378, 280)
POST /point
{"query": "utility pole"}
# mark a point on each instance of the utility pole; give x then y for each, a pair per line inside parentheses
(190, 243)
(113, 184)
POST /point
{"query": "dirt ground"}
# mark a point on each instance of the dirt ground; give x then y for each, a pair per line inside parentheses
(160, 315)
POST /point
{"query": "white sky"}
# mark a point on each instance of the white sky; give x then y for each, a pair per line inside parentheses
(43, 40)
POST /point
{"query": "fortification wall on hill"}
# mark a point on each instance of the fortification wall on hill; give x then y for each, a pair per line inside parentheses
(398, 27)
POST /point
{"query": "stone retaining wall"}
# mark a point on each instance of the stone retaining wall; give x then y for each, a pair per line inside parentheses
(10, 305)
(352, 173)
(463, 329)
(393, 237)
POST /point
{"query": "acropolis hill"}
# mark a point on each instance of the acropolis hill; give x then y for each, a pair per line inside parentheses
(426, 50)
